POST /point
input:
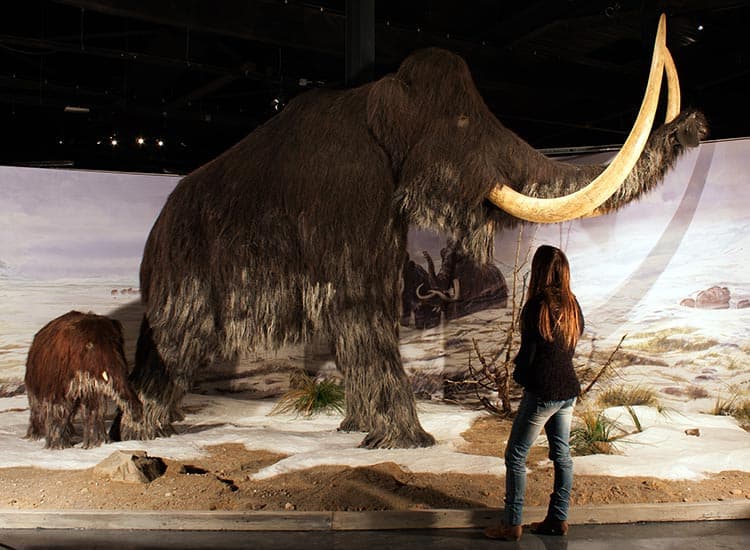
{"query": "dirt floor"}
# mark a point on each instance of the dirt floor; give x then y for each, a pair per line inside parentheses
(221, 481)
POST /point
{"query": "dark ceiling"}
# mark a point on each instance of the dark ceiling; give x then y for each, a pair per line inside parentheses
(201, 74)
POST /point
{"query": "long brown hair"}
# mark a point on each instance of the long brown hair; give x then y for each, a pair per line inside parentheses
(550, 280)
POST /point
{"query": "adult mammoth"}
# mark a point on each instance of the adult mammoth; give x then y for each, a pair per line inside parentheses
(301, 228)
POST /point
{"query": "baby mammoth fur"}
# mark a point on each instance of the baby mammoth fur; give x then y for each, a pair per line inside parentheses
(76, 362)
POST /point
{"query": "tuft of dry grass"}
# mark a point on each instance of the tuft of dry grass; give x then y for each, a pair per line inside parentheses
(624, 396)
(309, 396)
(594, 435)
(674, 339)
(735, 405)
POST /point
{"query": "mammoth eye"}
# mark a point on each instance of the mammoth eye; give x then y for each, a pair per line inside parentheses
(463, 121)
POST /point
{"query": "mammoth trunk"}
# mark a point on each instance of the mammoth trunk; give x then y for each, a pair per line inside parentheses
(590, 198)
(540, 177)
(665, 146)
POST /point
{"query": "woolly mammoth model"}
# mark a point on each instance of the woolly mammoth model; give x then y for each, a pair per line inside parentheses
(76, 362)
(301, 228)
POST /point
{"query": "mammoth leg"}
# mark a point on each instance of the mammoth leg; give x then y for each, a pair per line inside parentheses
(37, 418)
(93, 408)
(161, 377)
(59, 424)
(379, 398)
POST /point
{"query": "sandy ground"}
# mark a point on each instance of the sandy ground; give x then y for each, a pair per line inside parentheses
(221, 480)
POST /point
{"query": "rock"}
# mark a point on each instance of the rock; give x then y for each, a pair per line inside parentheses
(693, 431)
(131, 466)
(12, 389)
(289, 506)
(743, 304)
(716, 297)
(688, 302)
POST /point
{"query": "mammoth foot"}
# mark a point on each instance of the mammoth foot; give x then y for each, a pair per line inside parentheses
(124, 428)
(397, 439)
(57, 443)
(351, 424)
(145, 431)
(34, 434)
(96, 441)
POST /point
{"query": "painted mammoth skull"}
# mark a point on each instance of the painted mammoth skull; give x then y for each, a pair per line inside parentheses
(301, 229)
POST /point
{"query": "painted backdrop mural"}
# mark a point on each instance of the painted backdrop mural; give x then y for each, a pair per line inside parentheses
(70, 240)
(669, 272)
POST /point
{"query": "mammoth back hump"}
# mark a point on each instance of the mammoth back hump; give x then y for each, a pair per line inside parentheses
(312, 171)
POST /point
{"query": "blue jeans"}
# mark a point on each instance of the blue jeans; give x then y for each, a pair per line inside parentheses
(555, 417)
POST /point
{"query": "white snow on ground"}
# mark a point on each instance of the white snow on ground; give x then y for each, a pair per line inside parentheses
(662, 449)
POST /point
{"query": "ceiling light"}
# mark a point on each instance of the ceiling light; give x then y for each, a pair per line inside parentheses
(140, 141)
(75, 109)
(114, 142)
(160, 143)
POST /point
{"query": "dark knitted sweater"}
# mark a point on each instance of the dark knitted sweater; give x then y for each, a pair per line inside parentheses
(544, 368)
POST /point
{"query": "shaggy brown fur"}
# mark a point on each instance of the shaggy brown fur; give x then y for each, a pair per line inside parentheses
(301, 228)
(76, 361)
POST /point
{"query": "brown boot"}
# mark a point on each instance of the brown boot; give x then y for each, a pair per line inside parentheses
(504, 532)
(550, 526)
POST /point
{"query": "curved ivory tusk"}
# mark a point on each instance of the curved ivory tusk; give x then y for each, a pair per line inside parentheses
(440, 294)
(456, 291)
(589, 198)
(673, 87)
(430, 293)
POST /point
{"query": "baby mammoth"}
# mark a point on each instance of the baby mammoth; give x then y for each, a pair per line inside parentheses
(76, 361)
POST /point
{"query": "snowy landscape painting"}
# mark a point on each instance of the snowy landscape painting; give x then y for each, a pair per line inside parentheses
(668, 273)
(69, 240)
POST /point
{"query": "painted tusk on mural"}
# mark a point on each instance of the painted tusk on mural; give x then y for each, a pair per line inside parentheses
(453, 296)
(586, 200)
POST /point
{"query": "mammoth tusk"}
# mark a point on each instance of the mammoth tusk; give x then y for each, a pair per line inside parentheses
(673, 106)
(456, 291)
(586, 200)
(445, 296)
(673, 87)
(427, 296)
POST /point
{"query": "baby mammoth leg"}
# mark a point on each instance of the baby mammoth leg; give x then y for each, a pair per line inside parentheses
(93, 409)
(37, 418)
(59, 426)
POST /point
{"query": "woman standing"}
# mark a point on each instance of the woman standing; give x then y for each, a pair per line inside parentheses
(551, 323)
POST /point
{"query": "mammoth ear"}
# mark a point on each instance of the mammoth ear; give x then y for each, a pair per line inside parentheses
(391, 117)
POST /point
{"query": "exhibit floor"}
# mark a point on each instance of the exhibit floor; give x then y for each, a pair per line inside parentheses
(729, 535)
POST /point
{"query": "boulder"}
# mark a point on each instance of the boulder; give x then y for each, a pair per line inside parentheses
(716, 297)
(131, 466)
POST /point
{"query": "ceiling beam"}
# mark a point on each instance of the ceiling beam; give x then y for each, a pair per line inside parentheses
(246, 70)
(300, 26)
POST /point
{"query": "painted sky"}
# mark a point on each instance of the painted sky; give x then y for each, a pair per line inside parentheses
(69, 224)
